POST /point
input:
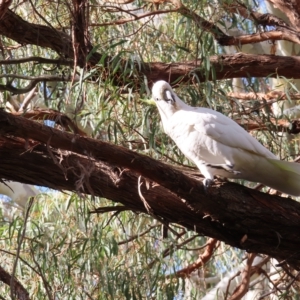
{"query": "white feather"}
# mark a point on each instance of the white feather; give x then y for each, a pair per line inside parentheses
(208, 137)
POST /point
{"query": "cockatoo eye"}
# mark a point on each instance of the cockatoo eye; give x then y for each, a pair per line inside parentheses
(168, 96)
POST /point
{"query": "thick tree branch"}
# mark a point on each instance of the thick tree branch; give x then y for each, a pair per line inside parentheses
(20, 292)
(272, 95)
(225, 66)
(259, 19)
(272, 35)
(291, 8)
(14, 27)
(283, 31)
(53, 115)
(4, 5)
(80, 34)
(276, 125)
(244, 218)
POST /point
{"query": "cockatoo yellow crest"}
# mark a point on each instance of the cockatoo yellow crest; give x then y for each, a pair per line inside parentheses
(219, 146)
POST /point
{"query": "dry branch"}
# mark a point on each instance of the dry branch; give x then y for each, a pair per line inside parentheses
(43, 36)
(259, 18)
(242, 289)
(225, 66)
(276, 125)
(134, 18)
(227, 212)
(53, 115)
(272, 35)
(202, 259)
(4, 5)
(291, 8)
(272, 95)
(36, 59)
(283, 32)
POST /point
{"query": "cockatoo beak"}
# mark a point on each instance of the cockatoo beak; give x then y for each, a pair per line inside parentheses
(148, 101)
(151, 101)
(169, 96)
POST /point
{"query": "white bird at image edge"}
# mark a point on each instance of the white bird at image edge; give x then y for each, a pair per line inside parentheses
(219, 146)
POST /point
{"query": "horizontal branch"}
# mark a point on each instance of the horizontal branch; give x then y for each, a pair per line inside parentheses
(272, 95)
(283, 30)
(272, 35)
(270, 124)
(52, 115)
(242, 217)
(133, 18)
(36, 59)
(226, 66)
(39, 78)
(34, 80)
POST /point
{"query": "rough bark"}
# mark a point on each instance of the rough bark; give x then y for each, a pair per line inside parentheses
(291, 8)
(20, 292)
(15, 28)
(241, 217)
(226, 66)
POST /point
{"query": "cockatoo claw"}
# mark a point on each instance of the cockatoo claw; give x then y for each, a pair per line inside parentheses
(207, 183)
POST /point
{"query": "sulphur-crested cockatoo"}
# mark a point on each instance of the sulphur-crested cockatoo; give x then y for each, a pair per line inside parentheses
(219, 146)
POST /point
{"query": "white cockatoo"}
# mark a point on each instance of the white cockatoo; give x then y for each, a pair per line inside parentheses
(219, 146)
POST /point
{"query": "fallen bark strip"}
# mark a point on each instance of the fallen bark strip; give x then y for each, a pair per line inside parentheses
(36, 154)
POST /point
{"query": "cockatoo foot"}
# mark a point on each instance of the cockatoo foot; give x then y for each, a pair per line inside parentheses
(207, 183)
(229, 168)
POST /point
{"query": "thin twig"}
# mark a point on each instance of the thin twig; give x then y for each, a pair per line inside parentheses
(12, 281)
(132, 238)
(41, 273)
(134, 18)
(101, 210)
(238, 273)
(212, 245)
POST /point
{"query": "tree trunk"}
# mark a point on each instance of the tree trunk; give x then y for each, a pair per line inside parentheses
(241, 217)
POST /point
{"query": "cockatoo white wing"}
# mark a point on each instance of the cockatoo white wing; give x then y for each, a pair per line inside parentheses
(219, 146)
(225, 131)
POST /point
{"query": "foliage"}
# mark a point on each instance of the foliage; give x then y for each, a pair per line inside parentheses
(68, 252)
